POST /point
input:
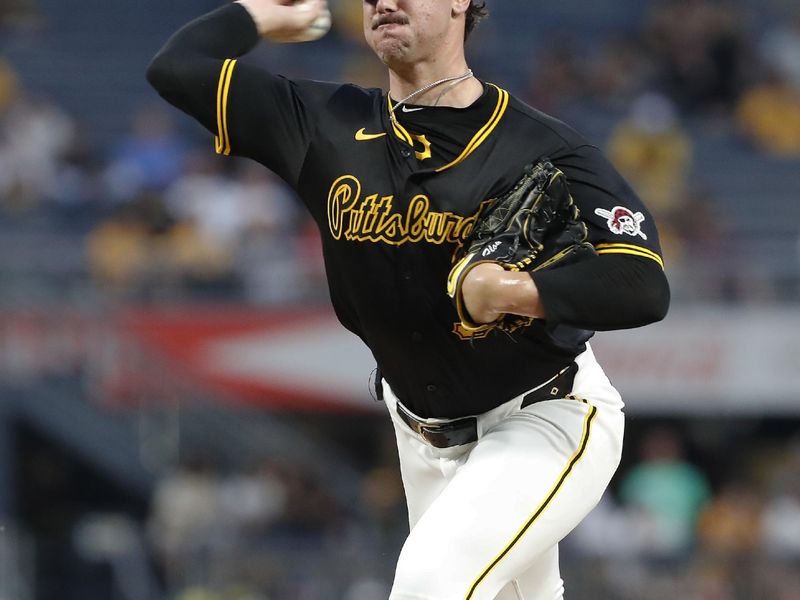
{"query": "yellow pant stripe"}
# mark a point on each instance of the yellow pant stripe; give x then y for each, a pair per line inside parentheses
(587, 426)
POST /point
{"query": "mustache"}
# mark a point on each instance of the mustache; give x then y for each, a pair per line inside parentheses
(389, 19)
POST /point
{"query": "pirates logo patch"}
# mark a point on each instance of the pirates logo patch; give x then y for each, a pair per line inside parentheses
(622, 220)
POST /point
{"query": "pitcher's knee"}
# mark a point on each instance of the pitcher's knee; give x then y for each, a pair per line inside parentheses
(445, 575)
(416, 573)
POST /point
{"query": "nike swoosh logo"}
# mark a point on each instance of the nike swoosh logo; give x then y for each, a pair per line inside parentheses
(362, 136)
(404, 108)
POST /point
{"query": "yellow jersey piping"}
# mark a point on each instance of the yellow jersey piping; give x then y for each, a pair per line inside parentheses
(629, 249)
(483, 132)
(399, 130)
(222, 140)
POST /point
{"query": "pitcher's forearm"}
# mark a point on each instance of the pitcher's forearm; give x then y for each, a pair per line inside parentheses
(603, 293)
(186, 69)
(490, 291)
(226, 32)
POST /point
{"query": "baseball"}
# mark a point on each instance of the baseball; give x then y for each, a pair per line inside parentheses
(320, 26)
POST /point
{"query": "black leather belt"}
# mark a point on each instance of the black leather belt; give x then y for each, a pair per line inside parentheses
(464, 430)
(453, 432)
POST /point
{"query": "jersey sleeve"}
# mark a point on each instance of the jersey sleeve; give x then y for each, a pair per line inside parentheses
(625, 285)
(617, 220)
(267, 117)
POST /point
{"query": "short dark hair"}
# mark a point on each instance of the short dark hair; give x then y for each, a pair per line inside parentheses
(476, 13)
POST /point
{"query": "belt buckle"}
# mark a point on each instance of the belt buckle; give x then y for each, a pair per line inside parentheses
(456, 432)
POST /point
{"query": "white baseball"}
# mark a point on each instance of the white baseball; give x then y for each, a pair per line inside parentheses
(320, 26)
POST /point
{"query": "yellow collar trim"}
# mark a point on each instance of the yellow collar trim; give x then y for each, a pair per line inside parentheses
(477, 139)
(483, 132)
(398, 129)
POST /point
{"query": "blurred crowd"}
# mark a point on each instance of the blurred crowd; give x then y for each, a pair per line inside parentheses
(704, 510)
(275, 531)
(186, 221)
(676, 523)
(156, 215)
(701, 530)
(160, 215)
(158, 218)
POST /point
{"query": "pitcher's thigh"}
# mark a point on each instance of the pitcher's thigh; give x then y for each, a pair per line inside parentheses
(527, 483)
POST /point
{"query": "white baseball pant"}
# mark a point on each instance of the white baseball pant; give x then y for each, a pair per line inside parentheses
(486, 517)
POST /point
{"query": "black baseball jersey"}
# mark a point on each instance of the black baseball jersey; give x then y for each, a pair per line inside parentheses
(394, 199)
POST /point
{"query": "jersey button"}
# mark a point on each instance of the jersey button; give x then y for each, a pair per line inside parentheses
(430, 388)
(405, 152)
(416, 337)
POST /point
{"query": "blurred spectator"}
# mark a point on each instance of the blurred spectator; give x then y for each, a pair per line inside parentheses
(17, 12)
(8, 85)
(781, 521)
(729, 526)
(209, 225)
(367, 588)
(149, 159)
(311, 513)
(618, 72)
(35, 135)
(709, 580)
(383, 499)
(611, 531)
(779, 580)
(249, 501)
(185, 262)
(694, 236)
(76, 190)
(224, 210)
(183, 514)
(557, 76)
(668, 490)
(780, 48)
(248, 219)
(142, 251)
(44, 154)
(769, 115)
(654, 153)
(702, 51)
(117, 250)
(782, 526)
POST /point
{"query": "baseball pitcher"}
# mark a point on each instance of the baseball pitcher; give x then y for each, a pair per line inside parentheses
(475, 245)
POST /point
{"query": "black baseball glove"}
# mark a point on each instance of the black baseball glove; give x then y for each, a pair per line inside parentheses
(535, 225)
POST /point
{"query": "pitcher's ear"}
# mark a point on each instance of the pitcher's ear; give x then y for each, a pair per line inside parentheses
(460, 7)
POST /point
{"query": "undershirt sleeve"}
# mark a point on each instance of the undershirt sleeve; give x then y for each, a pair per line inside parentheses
(187, 69)
(606, 292)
